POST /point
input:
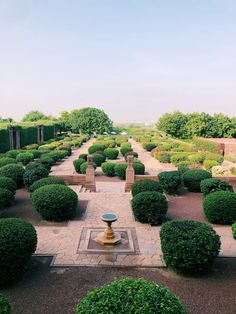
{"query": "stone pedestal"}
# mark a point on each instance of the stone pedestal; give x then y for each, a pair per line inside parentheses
(90, 175)
(130, 175)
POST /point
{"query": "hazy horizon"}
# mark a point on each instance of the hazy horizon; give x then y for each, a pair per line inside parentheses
(134, 59)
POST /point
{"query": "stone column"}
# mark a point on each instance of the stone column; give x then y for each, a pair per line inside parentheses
(17, 139)
(90, 175)
(130, 175)
(11, 138)
(42, 133)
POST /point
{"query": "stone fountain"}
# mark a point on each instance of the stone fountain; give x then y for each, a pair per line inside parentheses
(108, 236)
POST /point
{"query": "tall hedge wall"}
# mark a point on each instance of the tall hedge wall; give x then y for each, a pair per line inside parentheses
(4, 140)
(48, 132)
(28, 135)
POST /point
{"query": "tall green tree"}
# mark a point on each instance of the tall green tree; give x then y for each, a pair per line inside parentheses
(173, 124)
(34, 115)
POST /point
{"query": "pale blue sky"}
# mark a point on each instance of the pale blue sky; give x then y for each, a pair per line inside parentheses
(136, 59)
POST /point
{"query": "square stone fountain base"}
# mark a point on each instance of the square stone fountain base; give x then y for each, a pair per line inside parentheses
(128, 244)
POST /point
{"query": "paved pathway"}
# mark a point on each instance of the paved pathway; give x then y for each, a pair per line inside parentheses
(152, 165)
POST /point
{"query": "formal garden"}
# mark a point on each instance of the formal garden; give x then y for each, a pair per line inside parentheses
(102, 219)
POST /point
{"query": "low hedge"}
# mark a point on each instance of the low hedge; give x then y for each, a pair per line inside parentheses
(163, 157)
(15, 172)
(211, 185)
(8, 183)
(111, 153)
(234, 230)
(189, 246)
(96, 148)
(5, 307)
(32, 175)
(120, 170)
(18, 240)
(192, 179)
(6, 161)
(170, 181)
(208, 164)
(45, 181)
(108, 168)
(149, 207)
(146, 185)
(55, 202)
(129, 295)
(77, 163)
(98, 159)
(178, 157)
(220, 207)
(6, 198)
(24, 158)
(149, 146)
(196, 158)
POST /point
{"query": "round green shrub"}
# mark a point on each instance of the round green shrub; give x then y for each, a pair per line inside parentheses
(84, 166)
(128, 295)
(62, 153)
(208, 164)
(6, 161)
(182, 169)
(189, 246)
(24, 158)
(83, 156)
(77, 163)
(36, 153)
(108, 168)
(32, 175)
(13, 153)
(98, 159)
(45, 181)
(111, 153)
(192, 179)
(35, 164)
(18, 240)
(95, 148)
(149, 207)
(234, 230)
(47, 161)
(15, 172)
(163, 157)
(8, 183)
(65, 148)
(55, 202)
(5, 307)
(139, 168)
(120, 170)
(55, 155)
(220, 207)
(6, 197)
(146, 185)
(213, 185)
(149, 146)
(125, 150)
(170, 181)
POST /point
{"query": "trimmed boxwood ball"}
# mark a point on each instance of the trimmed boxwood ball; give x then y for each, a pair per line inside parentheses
(33, 175)
(234, 230)
(170, 181)
(98, 159)
(35, 164)
(128, 295)
(149, 146)
(84, 166)
(146, 185)
(189, 246)
(111, 153)
(6, 197)
(15, 172)
(108, 168)
(83, 156)
(8, 183)
(47, 161)
(139, 167)
(213, 185)
(96, 148)
(125, 150)
(77, 163)
(55, 202)
(220, 207)
(18, 240)
(24, 158)
(6, 161)
(13, 153)
(120, 170)
(149, 207)
(45, 181)
(192, 179)
(5, 307)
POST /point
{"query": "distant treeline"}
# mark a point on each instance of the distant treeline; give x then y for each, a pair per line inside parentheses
(180, 125)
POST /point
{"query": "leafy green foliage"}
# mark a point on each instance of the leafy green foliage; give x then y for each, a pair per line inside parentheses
(189, 246)
(77, 163)
(8, 183)
(45, 181)
(24, 158)
(108, 169)
(170, 181)
(120, 170)
(208, 164)
(5, 307)
(55, 202)
(33, 116)
(220, 207)
(139, 168)
(18, 240)
(234, 230)
(84, 166)
(146, 185)
(96, 148)
(127, 295)
(111, 153)
(192, 179)
(149, 207)
(6, 161)
(6, 197)
(15, 172)
(213, 185)
(32, 175)
(163, 157)
(98, 159)
(149, 146)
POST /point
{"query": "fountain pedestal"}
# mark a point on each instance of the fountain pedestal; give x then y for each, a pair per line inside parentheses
(108, 236)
